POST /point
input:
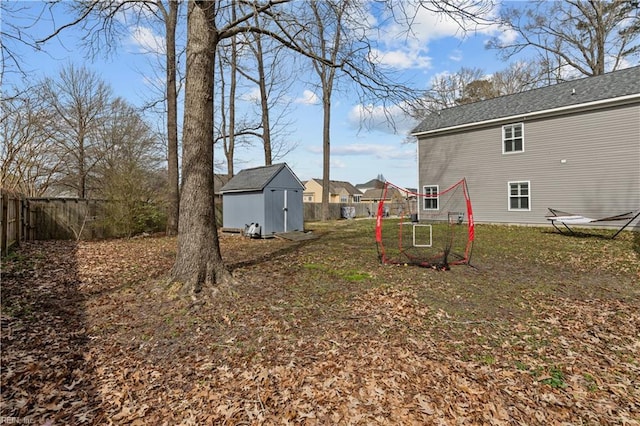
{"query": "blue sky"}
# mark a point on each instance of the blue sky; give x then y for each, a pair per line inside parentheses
(359, 152)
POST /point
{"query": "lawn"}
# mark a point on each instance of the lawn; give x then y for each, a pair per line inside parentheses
(543, 329)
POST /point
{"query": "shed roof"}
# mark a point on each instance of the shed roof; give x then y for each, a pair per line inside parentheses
(256, 179)
(574, 93)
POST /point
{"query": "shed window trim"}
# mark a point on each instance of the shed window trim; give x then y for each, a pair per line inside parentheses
(519, 195)
(513, 138)
(431, 201)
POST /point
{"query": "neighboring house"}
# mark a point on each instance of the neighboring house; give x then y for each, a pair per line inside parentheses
(574, 146)
(270, 196)
(376, 195)
(339, 192)
(372, 184)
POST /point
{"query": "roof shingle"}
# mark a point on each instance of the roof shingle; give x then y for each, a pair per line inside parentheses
(570, 93)
(254, 179)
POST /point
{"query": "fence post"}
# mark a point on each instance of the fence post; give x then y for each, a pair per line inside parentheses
(5, 222)
(18, 208)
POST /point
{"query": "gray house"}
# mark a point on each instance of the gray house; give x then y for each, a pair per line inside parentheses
(574, 147)
(270, 196)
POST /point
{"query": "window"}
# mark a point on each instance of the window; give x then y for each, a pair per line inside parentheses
(512, 138)
(519, 196)
(344, 199)
(431, 197)
(356, 198)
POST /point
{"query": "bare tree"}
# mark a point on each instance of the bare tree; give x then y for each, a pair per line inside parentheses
(79, 99)
(517, 77)
(273, 76)
(199, 261)
(588, 37)
(469, 85)
(170, 18)
(446, 90)
(327, 39)
(102, 34)
(14, 34)
(27, 160)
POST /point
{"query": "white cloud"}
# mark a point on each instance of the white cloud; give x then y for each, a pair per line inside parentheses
(507, 36)
(378, 151)
(251, 96)
(336, 163)
(384, 119)
(147, 41)
(381, 152)
(401, 59)
(456, 55)
(402, 49)
(308, 98)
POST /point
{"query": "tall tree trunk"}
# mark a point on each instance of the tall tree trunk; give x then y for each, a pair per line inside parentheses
(264, 100)
(82, 175)
(326, 150)
(230, 149)
(199, 262)
(172, 121)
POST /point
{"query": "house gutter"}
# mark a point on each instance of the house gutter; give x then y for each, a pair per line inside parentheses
(622, 100)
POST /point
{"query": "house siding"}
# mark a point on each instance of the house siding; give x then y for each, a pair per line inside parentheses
(600, 175)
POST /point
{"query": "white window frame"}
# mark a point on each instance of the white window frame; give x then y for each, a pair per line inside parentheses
(504, 139)
(437, 198)
(528, 196)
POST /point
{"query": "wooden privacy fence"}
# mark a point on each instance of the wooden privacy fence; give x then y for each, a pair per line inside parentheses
(48, 219)
(65, 218)
(12, 231)
(313, 211)
(74, 219)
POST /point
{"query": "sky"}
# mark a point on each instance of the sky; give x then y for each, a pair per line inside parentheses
(360, 151)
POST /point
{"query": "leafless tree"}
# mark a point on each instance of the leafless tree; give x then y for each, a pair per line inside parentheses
(199, 262)
(473, 84)
(273, 76)
(518, 77)
(27, 160)
(170, 18)
(446, 90)
(78, 99)
(326, 37)
(573, 36)
(103, 24)
(15, 34)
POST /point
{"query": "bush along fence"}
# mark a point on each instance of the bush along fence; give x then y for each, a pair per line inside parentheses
(26, 219)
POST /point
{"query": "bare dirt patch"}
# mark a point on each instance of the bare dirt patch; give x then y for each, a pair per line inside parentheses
(545, 330)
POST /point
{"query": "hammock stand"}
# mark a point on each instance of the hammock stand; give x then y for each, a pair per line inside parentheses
(567, 219)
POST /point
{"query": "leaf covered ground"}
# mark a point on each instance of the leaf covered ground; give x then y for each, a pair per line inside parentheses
(545, 329)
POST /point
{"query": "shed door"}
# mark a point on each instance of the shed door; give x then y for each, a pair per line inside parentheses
(285, 211)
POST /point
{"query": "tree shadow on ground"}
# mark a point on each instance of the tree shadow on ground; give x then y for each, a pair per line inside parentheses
(47, 374)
